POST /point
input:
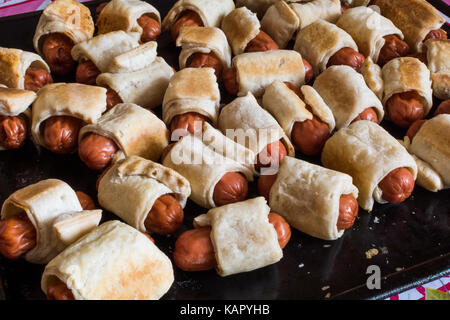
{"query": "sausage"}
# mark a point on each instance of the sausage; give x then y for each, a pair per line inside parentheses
(367, 114)
(414, 128)
(17, 236)
(165, 217)
(97, 151)
(397, 186)
(347, 56)
(57, 290)
(404, 108)
(189, 122)
(56, 51)
(296, 89)
(205, 60)
(232, 187)
(309, 73)
(61, 133)
(36, 78)
(86, 73)
(13, 131)
(443, 108)
(166, 151)
(230, 82)
(187, 18)
(151, 28)
(392, 48)
(262, 42)
(348, 211)
(112, 98)
(85, 200)
(281, 227)
(436, 34)
(273, 153)
(194, 250)
(309, 136)
(265, 183)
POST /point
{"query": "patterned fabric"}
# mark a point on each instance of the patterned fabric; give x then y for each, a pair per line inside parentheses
(435, 290)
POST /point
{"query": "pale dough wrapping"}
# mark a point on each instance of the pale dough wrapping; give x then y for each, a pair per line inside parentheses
(431, 144)
(192, 90)
(112, 262)
(123, 15)
(287, 108)
(367, 27)
(134, 59)
(308, 196)
(280, 22)
(242, 236)
(247, 123)
(438, 57)
(407, 74)
(257, 6)
(257, 70)
(240, 26)
(43, 202)
(132, 185)
(15, 101)
(319, 41)
(135, 130)
(14, 64)
(210, 11)
(329, 10)
(102, 48)
(68, 17)
(203, 160)
(416, 18)
(346, 94)
(204, 40)
(367, 152)
(145, 87)
(373, 77)
(67, 99)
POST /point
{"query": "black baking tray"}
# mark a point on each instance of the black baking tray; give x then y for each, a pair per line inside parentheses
(413, 238)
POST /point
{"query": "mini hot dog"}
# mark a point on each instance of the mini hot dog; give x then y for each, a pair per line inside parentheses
(127, 128)
(407, 90)
(188, 18)
(443, 108)
(56, 33)
(13, 131)
(189, 122)
(232, 187)
(393, 48)
(380, 166)
(204, 47)
(437, 58)
(17, 236)
(145, 194)
(60, 133)
(130, 16)
(36, 78)
(86, 201)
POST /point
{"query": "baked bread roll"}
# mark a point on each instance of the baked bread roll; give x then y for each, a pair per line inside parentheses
(308, 197)
(132, 185)
(203, 161)
(431, 147)
(346, 94)
(14, 64)
(67, 99)
(112, 262)
(257, 70)
(102, 49)
(15, 101)
(438, 57)
(319, 41)
(240, 26)
(251, 125)
(287, 108)
(135, 130)
(283, 19)
(416, 18)
(69, 17)
(192, 90)
(367, 27)
(123, 15)
(210, 11)
(368, 153)
(408, 74)
(373, 77)
(43, 202)
(138, 76)
(242, 236)
(204, 40)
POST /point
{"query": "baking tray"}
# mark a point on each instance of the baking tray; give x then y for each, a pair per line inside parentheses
(412, 238)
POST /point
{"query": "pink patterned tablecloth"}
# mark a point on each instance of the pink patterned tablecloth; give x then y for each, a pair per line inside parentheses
(438, 289)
